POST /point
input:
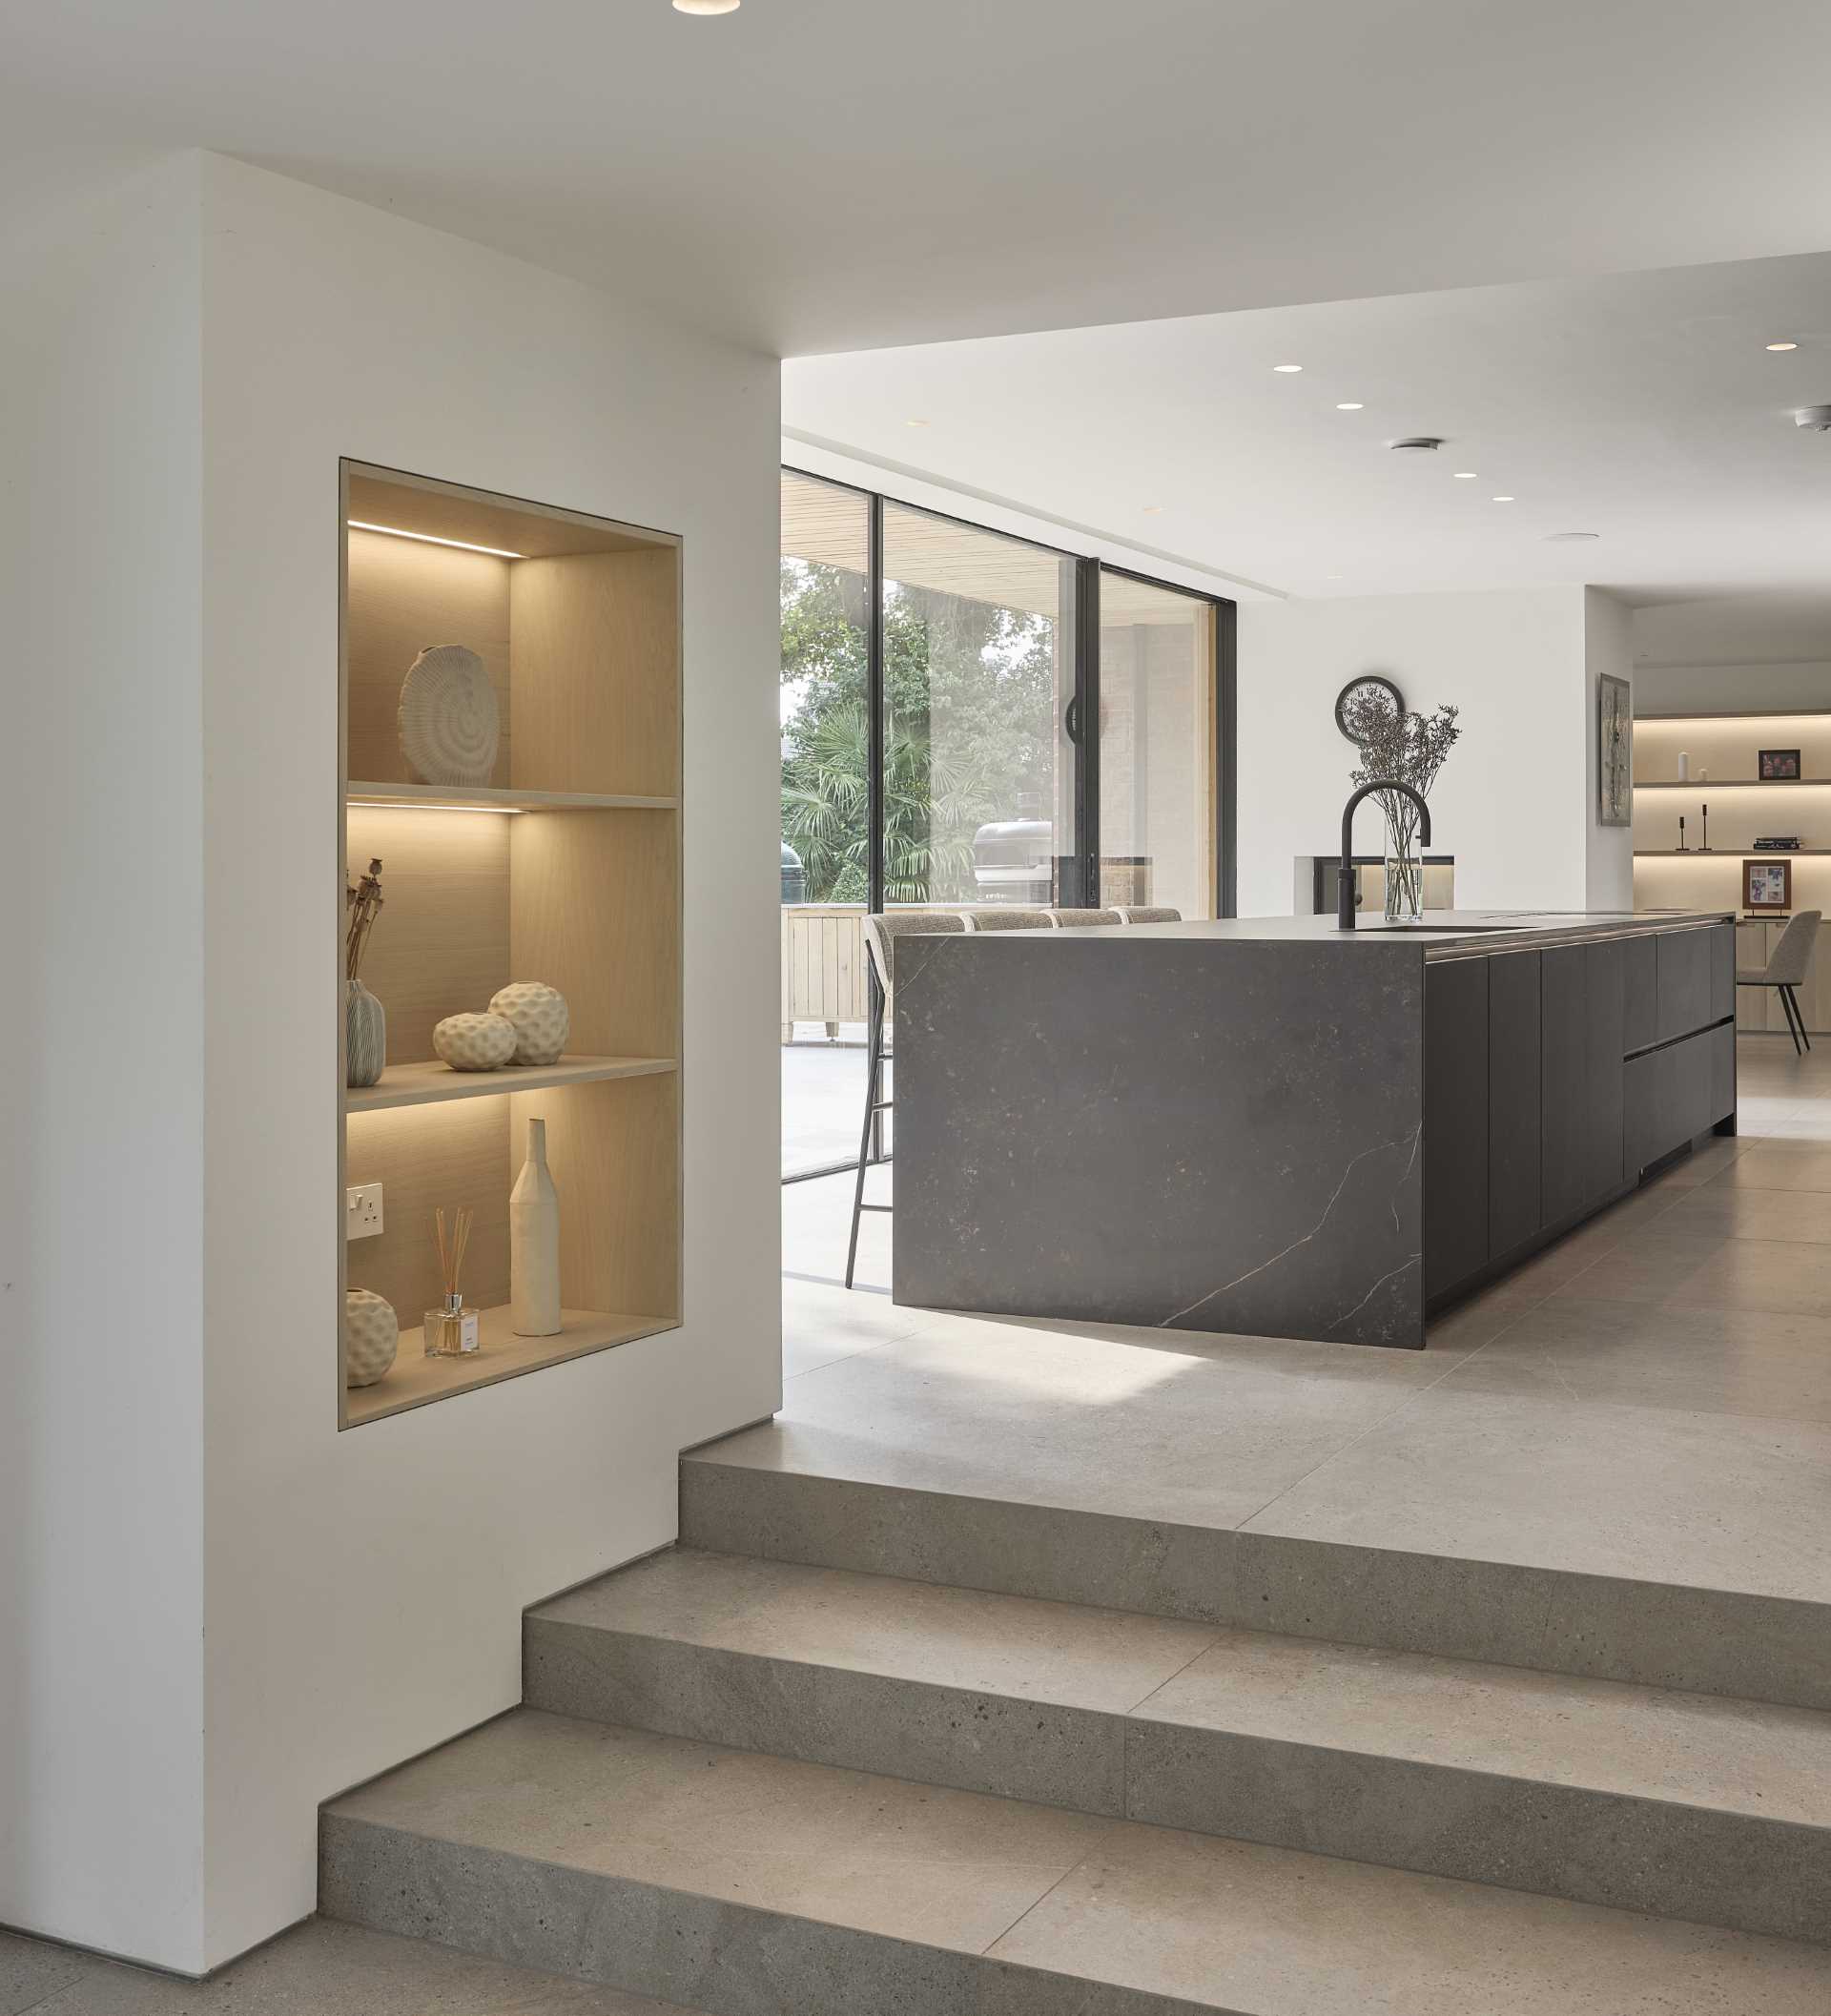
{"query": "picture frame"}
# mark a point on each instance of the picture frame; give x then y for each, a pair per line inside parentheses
(1767, 886)
(1777, 766)
(1614, 750)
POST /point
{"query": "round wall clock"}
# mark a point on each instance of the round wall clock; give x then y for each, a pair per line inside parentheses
(1370, 686)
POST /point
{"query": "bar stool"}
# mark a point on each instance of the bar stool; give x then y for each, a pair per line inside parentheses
(1083, 919)
(1785, 969)
(882, 931)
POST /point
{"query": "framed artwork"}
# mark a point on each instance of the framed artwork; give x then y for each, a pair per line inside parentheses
(1614, 750)
(1767, 885)
(1779, 766)
(1370, 686)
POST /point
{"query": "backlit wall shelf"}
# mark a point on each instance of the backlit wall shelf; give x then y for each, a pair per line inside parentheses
(426, 1084)
(446, 797)
(564, 867)
(1666, 876)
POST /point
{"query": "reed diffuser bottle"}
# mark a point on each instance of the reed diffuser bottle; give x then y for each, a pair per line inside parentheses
(451, 1331)
(534, 1244)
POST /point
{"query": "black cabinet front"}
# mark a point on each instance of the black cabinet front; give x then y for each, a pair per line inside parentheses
(1515, 1078)
(1455, 1123)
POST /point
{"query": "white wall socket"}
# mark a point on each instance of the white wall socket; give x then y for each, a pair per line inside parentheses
(361, 1211)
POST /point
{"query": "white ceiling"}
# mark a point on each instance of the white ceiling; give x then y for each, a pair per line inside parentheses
(821, 174)
(1644, 408)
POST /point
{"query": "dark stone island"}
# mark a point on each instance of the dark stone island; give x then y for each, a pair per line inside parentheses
(1273, 1127)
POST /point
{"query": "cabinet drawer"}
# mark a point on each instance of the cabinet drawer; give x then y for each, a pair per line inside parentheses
(1667, 1099)
(1684, 981)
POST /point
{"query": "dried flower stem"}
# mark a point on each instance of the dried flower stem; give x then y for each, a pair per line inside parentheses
(362, 903)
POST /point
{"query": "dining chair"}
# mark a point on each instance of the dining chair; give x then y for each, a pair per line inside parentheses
(1785, 969)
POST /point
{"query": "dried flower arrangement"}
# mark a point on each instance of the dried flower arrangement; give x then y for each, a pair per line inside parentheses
(362, 905)
(1410, 748)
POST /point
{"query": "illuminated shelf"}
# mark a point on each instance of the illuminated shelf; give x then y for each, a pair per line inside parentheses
(490, 797)
(1731, 783)
(415, 1379)
(1727, 854)
(428, 1084)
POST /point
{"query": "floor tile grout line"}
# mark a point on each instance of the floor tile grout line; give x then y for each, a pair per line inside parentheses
(1037, 1902)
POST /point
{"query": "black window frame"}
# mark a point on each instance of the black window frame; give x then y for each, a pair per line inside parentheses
(1080, 716)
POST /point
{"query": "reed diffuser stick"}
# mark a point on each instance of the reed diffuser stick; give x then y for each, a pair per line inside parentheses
(451, 1331)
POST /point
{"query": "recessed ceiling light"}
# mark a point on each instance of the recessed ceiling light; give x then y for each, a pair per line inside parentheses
(1505, 500)
(914, 423)
(1350, 406)
(1782, 347)
(1563, 539)
(1153, 510)
(1286, 367)
(706, 6)
(1466, 475)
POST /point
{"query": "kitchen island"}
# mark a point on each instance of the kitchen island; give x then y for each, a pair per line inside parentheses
(1272, 1126)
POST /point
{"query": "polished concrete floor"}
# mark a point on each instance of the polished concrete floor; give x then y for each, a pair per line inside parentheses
(316, 1969)
(1650, 1397)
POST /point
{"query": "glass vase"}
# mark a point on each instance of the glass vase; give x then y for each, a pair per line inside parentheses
(1404, 872)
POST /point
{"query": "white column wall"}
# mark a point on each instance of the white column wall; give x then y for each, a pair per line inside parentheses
(101, 1129)
(1509, 803)
(219, 1611)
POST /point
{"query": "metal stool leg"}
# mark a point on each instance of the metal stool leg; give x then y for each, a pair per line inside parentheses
(871, 1072)
(1799, 1016)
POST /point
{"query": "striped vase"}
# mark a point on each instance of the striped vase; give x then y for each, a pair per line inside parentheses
(365, 1037)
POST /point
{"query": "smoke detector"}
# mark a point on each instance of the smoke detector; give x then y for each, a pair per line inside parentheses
(1417, 444)
(1816, 418)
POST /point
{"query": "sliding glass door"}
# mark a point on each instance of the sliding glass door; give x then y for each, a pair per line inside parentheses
(970, 719)
(1157, 736)
(979, 668)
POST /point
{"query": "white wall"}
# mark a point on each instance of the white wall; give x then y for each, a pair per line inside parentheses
(1731, 654)
(1511, 803)
(101, 1166)
(361, 1592)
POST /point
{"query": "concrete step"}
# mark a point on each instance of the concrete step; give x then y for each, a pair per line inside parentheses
(752, 1885)
(1646, 1798)
(782, 1493)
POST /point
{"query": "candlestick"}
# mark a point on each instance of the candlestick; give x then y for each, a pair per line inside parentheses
(1682, 847)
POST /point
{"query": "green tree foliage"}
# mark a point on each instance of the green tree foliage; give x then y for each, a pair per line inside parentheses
(969, 731)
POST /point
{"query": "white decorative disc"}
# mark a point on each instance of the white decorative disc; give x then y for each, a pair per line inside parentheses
(449, 721)
(475, 1043)
(541, 1018)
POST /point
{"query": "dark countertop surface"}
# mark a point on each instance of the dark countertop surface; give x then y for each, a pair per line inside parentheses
(1448, 934)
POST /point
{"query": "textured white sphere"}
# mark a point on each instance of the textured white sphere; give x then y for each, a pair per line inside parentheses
(371, 1335)
(475, 1043)
(541, 1019)
(448, 720)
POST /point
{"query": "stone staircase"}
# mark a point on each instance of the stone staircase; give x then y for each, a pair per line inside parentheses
(860, 1749)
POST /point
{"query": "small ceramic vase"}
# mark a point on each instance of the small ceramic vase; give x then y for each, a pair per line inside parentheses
(371, 1336)
(534, 1244)
(365, 1037)
(541, 1019)
(475, 1043)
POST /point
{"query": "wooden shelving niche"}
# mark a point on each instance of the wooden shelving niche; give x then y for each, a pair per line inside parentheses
(564, 867)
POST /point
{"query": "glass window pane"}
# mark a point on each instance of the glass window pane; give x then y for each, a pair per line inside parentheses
(979, 664)
(1157, 746)
(826, 532)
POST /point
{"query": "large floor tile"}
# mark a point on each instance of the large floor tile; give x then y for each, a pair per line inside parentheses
(1715, 1361)
(951, 1686)
(821, 1323)
(1779, 1164)
(32, 1970)
(322, 1968)
(1715, 1501)
(1202, 1432)
(1647, 1265)
(950, 1869)
(1757, 1274)
(1226, 1926)
(1799, 1216)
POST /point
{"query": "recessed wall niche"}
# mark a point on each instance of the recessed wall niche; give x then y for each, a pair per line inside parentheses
(564, 867)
